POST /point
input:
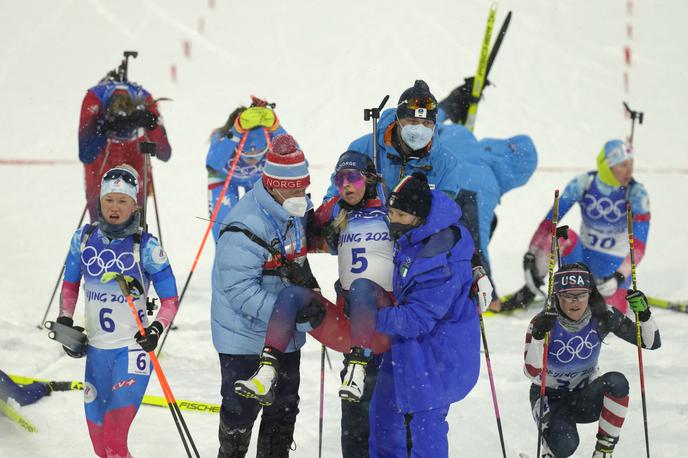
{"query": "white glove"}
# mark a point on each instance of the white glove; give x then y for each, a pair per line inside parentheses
(482, 286)
(608, 286)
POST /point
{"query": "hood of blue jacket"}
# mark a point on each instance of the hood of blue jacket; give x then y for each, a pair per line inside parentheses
(444, 213)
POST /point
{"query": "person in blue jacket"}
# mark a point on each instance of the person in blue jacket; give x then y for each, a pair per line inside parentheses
(434, 359)
(256, 126)
(261, 251)
(485, 170)
(407, 142)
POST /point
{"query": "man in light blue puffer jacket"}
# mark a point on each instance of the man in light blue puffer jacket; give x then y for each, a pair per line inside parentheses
(261, 251)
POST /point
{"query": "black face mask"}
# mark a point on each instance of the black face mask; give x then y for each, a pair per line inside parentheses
(397, 230)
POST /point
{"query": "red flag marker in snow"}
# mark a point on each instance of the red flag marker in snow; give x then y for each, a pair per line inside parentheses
(186, 46)
(173, 73)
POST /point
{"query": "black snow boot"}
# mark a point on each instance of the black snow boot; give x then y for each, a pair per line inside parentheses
(234, 442)
(274, 440)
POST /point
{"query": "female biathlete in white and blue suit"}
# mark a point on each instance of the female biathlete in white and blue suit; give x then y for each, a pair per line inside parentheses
(117, 364)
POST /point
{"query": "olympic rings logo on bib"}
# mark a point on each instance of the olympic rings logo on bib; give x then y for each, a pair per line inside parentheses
(605, 208)
(98, 263)
(577, 347)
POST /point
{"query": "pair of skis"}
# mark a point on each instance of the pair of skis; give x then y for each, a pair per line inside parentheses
(485, 62)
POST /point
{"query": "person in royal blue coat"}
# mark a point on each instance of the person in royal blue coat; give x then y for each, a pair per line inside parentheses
(434, 359)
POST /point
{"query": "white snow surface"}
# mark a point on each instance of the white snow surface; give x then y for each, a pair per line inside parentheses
(558, 78)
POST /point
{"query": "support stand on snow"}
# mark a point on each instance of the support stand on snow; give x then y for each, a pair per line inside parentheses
(374, 114)
(639, 115)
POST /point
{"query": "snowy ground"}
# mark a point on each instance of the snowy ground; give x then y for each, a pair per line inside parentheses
(559, 78)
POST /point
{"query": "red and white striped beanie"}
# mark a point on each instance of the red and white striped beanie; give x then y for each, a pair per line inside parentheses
(286, 166)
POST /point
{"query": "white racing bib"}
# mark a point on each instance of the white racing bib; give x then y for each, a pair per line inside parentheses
(606, 242)
(366, 251)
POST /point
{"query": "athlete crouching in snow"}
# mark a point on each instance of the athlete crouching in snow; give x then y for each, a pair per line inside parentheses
(574, 393)
(261, 252)
(354, 226)
(433, 324)
(117, 364)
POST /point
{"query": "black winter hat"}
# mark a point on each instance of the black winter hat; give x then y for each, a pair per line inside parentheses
(412, 195)
(417, 102)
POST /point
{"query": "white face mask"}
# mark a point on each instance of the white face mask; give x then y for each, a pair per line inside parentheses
(416, 136)
(295, 206)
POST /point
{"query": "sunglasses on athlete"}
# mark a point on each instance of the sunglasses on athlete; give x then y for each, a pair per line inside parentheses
(125, 175)
(354, 177)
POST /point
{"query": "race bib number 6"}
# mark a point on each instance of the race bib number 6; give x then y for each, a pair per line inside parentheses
(139, 362)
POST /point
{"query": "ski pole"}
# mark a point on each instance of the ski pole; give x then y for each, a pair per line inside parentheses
(167, 391)
(323, 350)
(490, 376)
(548, 306)
(157, 214)
(81, 220)
(639, 115)
(629, 221)
(237, 155)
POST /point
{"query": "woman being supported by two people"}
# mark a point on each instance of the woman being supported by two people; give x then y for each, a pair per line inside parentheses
(431, 277)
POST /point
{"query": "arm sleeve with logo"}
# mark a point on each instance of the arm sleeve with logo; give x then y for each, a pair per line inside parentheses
(534, 349)
(72, 276)
(540, 242)
(640, 206)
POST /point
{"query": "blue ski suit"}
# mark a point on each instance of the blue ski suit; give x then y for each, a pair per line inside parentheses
(435, 356)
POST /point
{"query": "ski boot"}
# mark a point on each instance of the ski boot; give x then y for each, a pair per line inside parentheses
(353, 383)
(261, 385)
(59, 386)
(605, 446)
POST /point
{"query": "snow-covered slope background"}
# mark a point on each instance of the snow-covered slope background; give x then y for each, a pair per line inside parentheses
(558, 78)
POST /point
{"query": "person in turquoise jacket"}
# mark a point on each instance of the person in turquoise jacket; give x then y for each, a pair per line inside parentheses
(434, 359)
(255, 126)
(259, 253)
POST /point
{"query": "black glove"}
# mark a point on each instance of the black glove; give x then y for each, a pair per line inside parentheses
(150, 340)
(117, 123)
(457, 102)
(543, 323)
(144, 118)
(67, 321)
(313, 313)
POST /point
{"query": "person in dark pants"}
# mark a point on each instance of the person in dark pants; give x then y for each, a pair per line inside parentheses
(578, 323)
(262, 246)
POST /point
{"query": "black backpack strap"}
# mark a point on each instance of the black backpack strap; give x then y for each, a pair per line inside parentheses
(86, 234)
(252, 237)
